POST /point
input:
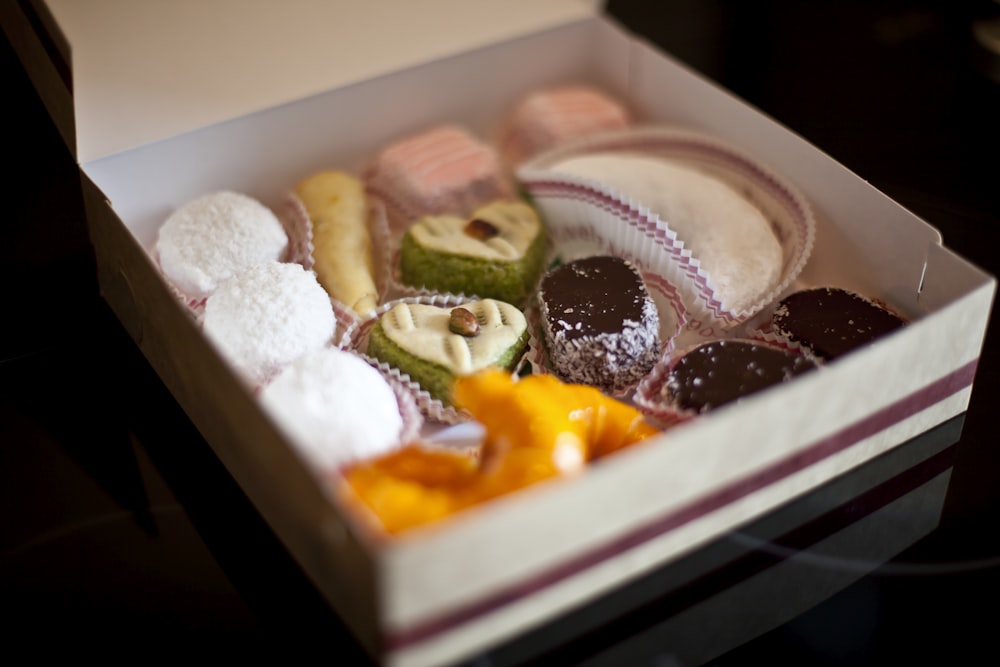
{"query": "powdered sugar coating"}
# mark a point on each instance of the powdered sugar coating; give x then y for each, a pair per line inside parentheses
(209, 239)
(336, 408)
(729, 235)
(268, 315)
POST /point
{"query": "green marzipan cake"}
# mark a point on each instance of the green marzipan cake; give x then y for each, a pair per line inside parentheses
(437, 378)
(497, 253)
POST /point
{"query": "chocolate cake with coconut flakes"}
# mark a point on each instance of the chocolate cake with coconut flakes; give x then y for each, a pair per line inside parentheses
(599, 324)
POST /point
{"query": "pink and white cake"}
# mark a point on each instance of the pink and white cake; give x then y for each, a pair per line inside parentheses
(444, 169)
(551, 117)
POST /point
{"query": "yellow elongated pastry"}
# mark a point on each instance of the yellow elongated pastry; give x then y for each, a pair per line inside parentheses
(344, 264)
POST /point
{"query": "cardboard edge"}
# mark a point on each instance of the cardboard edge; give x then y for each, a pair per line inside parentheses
(43, 53)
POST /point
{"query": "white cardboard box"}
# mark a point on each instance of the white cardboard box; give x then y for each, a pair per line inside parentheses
(166, 101)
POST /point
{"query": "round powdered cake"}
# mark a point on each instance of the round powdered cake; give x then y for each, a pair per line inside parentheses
(720, 372)
(831, 321)
(337, 408)
(599, 323)
(208, 240)
(268, 315)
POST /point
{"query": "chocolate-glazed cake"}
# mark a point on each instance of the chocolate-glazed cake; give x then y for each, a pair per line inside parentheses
(599, 324)
(723, 371)
(831, 321)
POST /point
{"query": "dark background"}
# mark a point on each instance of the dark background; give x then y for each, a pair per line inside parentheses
(122, 537)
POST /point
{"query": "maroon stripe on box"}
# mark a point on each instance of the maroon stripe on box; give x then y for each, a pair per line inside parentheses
(879, 421)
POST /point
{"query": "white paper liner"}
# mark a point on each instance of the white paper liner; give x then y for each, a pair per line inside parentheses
(433, 410)
(649, 396)
(295, 219)
(413, 419)
(583, 214)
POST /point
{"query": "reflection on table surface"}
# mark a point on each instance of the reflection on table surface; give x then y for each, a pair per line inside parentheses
(765, 574)
(121, 529)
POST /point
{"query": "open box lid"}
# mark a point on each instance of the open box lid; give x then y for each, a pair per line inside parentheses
(139, 72)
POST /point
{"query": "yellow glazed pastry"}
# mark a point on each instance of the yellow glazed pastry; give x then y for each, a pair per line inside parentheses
(338, 210)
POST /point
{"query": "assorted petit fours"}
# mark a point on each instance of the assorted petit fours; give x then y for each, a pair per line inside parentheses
(733, 242)
(266, 316)
(718, 372)
(536, 428)
(832, 321)
(434, 344)
(599, 323)
(448, 323)
(209, 239)
(497, 252)
(343, 257)
(336, 408)
(444, 169)
(550, 117)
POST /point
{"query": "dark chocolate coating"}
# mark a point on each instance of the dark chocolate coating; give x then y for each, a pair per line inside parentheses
(593, 295)
(720, 372)
(831, 321)
(599, 321)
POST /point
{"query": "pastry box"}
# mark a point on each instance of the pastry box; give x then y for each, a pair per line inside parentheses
(161, 103)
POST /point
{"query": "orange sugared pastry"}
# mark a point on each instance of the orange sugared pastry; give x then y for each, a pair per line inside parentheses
(537, 428)
(414, 485)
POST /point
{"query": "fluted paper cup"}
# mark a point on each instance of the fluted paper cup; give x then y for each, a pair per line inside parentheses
(586, 216)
